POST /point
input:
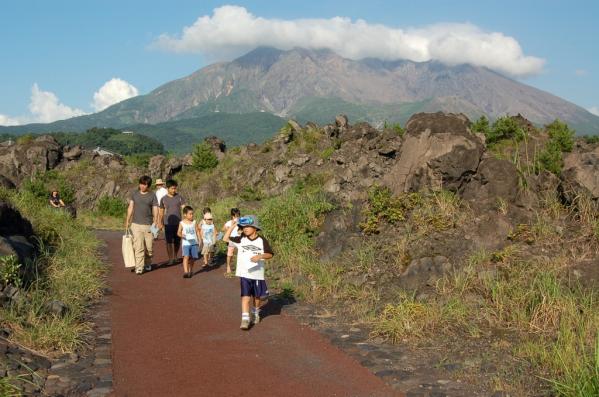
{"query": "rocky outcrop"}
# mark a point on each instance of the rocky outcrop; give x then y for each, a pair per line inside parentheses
(494, 180)
(39, 155)
(438, 152)
(581, 172)
(218, 146)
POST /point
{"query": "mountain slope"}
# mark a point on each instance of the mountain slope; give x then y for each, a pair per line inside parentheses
(291, 83)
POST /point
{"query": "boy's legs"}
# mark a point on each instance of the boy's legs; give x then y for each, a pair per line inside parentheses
(185, 264)
(149, 245)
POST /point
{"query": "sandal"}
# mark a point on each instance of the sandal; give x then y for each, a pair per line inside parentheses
(229, 275)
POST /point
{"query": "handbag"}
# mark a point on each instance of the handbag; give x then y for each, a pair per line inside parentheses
(128, 251)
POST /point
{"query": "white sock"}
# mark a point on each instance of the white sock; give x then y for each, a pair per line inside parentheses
(256, 310)
(245, 316)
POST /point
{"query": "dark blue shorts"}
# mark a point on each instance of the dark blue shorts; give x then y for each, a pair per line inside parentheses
(170, 234)
(191, 251)
(254, 288)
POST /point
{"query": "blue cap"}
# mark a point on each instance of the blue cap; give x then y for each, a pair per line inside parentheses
(249, 220)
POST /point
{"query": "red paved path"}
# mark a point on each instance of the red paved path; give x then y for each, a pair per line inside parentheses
(180, 337)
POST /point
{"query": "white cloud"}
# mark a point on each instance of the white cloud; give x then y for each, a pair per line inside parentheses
(6, 120)
(45, 107)
(594, 110)
(113, 91)
(232, 30)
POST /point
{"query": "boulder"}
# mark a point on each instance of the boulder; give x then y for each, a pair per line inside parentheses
(438, 152)
(295, 126)
(25, 159)
(424, 272)
(72, 153)
(56, 308)
(218, 146)
(581, 173)
(495, 179)
(6, 183)
(156, 166)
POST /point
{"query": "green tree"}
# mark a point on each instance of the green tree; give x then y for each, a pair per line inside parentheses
(204, 157)
(505, 128)
(561, 139)
(561, 134)
(482, 126)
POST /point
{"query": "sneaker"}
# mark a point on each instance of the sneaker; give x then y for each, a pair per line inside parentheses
(255, 318)
(148, 268)
(245, 324)
(139, 272)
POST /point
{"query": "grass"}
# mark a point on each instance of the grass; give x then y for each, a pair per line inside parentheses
(69, 271)
(556, 320)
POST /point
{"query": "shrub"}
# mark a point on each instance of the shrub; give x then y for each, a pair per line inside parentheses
(591, 139)
(561, 139)
(482, 126)
(204, 157)
(562, 135)
(111, 206)
(382, 205)
(9, 271)
(396, 127)
(505, 128)
(138, 160)
(41, 185)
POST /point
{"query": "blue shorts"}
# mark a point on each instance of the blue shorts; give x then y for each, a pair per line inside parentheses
(191, 250)
(255, 288)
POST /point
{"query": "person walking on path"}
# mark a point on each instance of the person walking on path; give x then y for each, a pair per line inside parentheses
(208, 236)
(161, 191)
(189, 231)
(141, 214)
(171, 206)
(235, 214)
(252, 251)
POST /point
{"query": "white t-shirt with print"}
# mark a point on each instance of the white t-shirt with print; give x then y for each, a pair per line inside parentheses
(246, 249)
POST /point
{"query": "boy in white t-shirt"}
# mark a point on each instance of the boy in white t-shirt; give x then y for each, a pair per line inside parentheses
(252, 251)
(235, 214)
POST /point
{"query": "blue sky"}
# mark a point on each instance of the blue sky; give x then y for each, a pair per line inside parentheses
(71, 48)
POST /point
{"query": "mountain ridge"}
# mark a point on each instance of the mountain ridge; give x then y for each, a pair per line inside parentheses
(276, 81)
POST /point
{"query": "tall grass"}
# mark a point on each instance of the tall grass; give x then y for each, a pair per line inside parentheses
(69, 271)
(556, 320)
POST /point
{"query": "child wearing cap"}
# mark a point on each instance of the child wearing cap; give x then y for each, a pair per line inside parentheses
(252, 251)
(208, 236)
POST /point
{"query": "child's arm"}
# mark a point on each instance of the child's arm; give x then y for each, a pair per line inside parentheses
(214, 234)
(198, 230)
(268, 254)
(227, 236)
(201, 234)
(180, 231)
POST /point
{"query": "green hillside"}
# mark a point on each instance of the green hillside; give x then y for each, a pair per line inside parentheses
(113, 140)
(323, 110)
(179, 136)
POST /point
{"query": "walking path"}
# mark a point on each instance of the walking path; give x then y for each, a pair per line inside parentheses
(180, 337)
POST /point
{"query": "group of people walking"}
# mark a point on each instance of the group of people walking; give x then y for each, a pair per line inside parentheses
(149, 213)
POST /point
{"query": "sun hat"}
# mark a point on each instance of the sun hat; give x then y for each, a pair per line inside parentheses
(159, 182)
(208, 216)
(249, 220)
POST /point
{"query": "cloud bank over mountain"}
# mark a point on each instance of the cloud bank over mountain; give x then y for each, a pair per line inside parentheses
(233, 30)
